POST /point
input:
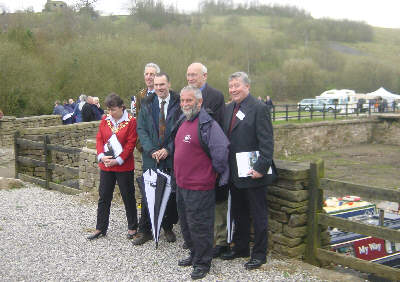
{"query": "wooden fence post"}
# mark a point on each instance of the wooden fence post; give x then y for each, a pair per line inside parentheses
(48, 160)
(16, 153)
(314, 206)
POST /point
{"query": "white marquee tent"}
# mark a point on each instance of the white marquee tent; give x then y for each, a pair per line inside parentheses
(382, 92)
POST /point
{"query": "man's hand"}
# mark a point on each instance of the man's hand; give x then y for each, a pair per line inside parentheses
(161, 154)
(255, 174)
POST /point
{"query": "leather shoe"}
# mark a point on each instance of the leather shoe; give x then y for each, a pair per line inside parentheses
(131, 236)
(186, 261)
(141, 238)
(199, 272)
(97, 235)
(232, 254)
(170, 236)
(254, 263)
(219, 250)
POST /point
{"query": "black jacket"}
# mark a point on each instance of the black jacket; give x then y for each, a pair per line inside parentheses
(253, 133)
(88, 113)
(214, 103)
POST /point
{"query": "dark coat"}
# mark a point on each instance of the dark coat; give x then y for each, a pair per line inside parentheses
(253, 133)
(88, 113)
(214, 103)
(148, 131)
(214, 143)
(98, 112)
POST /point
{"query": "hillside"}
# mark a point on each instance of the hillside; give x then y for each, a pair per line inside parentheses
(288, 54)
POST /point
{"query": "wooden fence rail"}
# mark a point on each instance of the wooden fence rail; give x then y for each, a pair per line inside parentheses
(49, 166)
(317, 218)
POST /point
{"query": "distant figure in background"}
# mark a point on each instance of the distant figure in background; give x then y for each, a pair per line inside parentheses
(384, 105)
(78, 108)
(72, 103)
(87, 110)
(1, 114)
(98, 111)
(61, 111)
(269, 103)
(68, 107)
(259, 98)
(394, 105)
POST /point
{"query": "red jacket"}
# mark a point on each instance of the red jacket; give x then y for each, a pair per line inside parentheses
(126, 135)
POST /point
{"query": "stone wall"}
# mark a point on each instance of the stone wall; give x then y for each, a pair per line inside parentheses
(74, 136)
(10, 124)
(287, 210)
(305, 138)
(387, 130)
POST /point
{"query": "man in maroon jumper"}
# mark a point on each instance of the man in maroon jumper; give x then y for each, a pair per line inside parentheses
(201, 153)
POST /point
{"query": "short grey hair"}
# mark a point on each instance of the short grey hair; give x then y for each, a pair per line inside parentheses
(152, 65)
(83, 98)
(203, 67)
(242, 75)
(195, 90)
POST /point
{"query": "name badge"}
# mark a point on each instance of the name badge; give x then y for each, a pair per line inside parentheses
(240, 115)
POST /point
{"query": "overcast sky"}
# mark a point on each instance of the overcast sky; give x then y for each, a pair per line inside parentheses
(383, 13)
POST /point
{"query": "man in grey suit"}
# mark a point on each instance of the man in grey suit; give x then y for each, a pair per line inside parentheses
(247, 124)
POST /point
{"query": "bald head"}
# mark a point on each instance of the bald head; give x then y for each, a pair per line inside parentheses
(196, 75)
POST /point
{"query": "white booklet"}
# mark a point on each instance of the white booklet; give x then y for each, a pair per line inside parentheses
(115, 146)
(245, 162)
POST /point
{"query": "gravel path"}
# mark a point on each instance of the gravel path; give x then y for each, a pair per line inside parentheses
(43, 237)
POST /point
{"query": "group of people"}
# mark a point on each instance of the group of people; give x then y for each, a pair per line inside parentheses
(86, 109)
(194, 137)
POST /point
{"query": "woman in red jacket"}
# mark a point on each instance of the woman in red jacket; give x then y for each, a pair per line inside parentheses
(116, 164)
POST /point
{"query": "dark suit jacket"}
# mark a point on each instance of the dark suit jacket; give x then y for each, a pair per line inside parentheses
(147, 129)
(214, 103)
(253, 133)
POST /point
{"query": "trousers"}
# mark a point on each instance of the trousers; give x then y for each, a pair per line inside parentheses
(196, 211)
(246, 203)
(106, 189)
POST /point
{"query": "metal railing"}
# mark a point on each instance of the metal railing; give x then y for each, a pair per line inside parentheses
(291, 112)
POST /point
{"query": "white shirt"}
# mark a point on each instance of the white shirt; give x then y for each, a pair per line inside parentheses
(165, 106)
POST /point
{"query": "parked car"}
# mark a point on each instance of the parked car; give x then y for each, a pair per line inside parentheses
(308, 104)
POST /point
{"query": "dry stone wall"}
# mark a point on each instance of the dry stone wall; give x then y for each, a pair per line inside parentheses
(9, 125)
(292, 139)
(74, 136)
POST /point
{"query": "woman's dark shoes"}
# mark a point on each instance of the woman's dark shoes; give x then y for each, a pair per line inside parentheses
(199, 272)
(186, 261)
(232, 254)
(254, 263)
(97, 235)
(131, 234)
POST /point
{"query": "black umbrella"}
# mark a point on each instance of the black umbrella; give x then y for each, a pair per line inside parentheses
(230, 223)
(156, 190)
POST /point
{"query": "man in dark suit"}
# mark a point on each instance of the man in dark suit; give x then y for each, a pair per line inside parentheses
(247, 124)
(213, 100)
(158, 115)
(214, 104)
